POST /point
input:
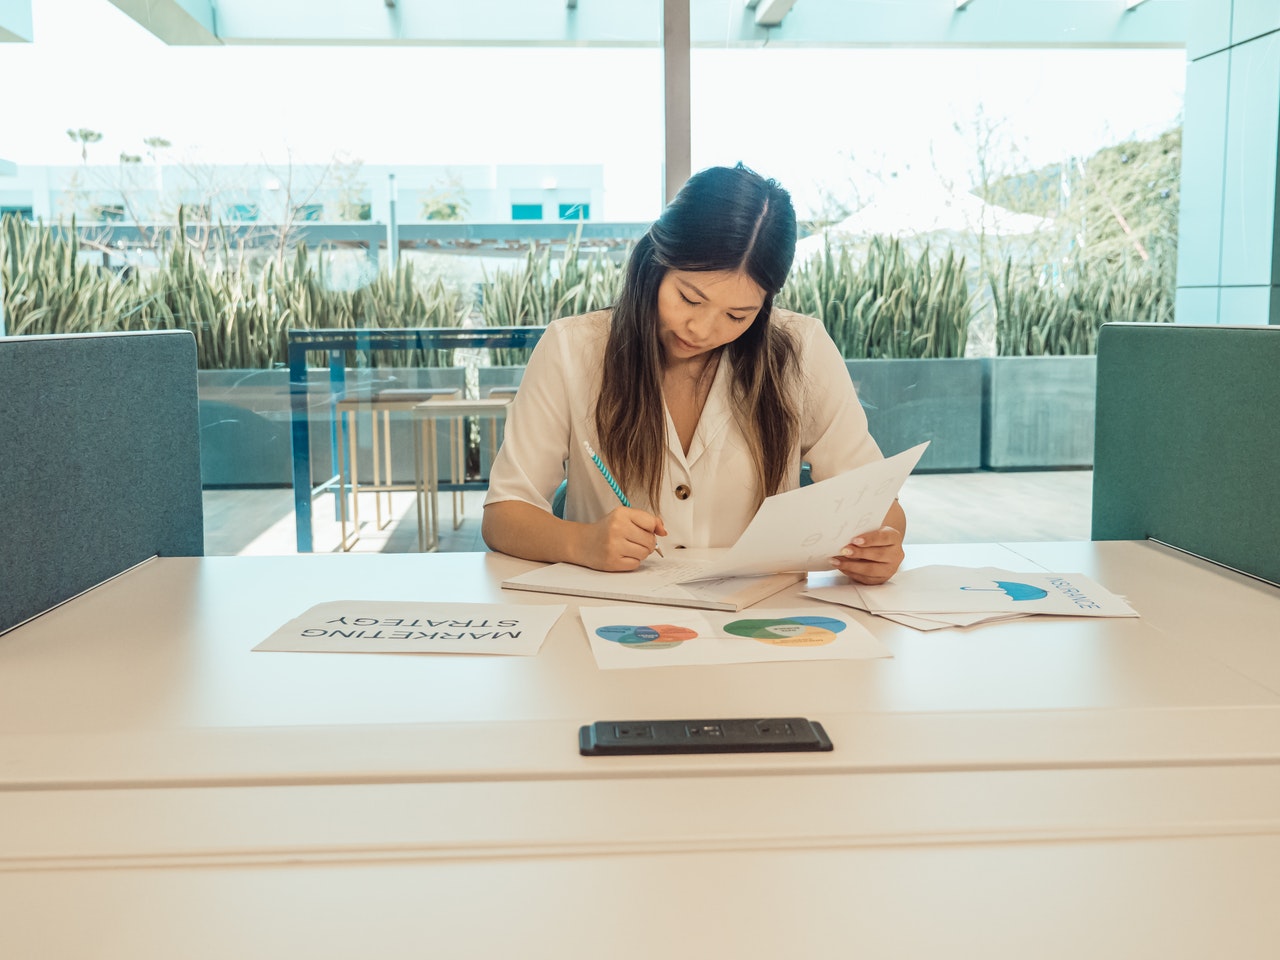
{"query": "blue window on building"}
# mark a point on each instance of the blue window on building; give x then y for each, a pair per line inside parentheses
(526, 211)
(243, 212)
(575, 211)
(310, 211)
(23, 213)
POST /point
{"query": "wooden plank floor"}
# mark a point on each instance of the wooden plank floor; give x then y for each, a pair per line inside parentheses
(941, 508)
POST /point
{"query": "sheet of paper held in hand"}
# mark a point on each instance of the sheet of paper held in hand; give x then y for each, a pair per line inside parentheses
(791, 532)
(804, 528)
(390, 626)
(647, 636)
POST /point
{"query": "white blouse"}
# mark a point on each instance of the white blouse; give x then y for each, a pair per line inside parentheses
(708, 495)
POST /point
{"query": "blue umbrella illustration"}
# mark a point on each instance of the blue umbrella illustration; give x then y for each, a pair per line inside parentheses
(1016, 591)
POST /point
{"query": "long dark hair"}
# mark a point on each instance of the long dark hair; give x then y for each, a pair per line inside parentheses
(723, 219)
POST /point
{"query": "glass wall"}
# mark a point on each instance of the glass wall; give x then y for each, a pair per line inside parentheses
(1022, 176)
(984, 210)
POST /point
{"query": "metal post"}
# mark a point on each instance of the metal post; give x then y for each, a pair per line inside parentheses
(300, 437)
(675, 88)
(393, 232)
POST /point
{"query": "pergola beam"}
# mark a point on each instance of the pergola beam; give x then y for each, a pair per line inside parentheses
(15, 21)
(769, 13)
(179, 23)
(638, 23)
(677, 110)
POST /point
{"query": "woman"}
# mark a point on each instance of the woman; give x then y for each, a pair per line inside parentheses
(699, 397)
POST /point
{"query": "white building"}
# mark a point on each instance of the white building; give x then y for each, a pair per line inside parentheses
(145, 192)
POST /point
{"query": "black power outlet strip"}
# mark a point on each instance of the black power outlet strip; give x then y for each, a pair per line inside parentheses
(767, 735)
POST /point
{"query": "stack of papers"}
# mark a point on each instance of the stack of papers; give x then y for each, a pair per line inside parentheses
(791, 532)
(938, 596)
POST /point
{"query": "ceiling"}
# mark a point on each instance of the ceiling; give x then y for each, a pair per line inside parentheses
(639, 23)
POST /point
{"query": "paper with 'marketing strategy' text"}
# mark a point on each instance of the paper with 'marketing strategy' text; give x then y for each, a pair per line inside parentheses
(391, 626)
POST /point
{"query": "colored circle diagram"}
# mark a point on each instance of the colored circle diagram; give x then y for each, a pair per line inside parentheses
(662, 636)
(788, 631)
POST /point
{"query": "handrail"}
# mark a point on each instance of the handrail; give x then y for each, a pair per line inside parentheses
(408, 338)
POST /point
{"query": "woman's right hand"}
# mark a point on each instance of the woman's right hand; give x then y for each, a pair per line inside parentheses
(620, 540)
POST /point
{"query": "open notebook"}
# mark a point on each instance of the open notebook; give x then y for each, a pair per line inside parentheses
(791, 533)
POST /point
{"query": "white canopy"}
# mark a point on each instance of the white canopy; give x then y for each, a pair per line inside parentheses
(921, 206)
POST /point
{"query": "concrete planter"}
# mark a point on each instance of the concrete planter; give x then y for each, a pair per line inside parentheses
(245, 424)
(906, 401)
(1038, 412)
(910, 401)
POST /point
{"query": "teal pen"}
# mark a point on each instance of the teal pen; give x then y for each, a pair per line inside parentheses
(613, 484)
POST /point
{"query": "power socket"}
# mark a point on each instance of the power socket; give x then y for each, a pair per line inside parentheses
(770, 734)
(767, 728)
(633, 732)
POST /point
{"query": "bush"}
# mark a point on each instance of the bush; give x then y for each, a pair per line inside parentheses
(240, 315)
(1058, 311)
(885, 305)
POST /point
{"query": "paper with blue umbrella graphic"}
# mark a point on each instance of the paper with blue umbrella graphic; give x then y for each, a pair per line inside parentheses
(942, 595)
(1015, 590)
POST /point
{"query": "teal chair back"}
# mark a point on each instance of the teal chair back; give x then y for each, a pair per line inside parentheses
(99, 461)
(1187, 441)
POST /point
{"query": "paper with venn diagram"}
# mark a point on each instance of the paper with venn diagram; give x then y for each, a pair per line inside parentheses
(644, 635)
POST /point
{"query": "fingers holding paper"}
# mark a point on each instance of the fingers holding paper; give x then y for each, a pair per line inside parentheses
(622, 539)
(873, 557)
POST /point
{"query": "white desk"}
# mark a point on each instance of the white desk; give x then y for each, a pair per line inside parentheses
(1038, 788)
(1125, 864)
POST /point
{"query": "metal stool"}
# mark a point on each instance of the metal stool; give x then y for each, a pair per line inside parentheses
(428, 414)
(381, 404)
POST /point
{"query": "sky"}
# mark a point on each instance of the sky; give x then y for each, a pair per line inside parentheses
(828, 124)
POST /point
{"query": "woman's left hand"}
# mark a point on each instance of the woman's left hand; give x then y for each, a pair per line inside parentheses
(874, 556)
(871, 557)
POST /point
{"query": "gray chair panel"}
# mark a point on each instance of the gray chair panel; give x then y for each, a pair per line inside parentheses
(1186, 444)
(99, 461)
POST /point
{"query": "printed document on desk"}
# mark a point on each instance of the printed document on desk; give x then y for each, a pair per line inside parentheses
(393, 626)
(934, 595)
(634, 636)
